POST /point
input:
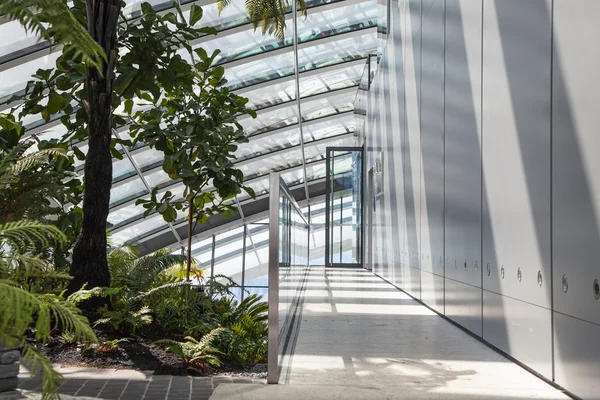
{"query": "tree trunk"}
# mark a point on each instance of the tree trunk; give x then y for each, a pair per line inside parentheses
(90, 265)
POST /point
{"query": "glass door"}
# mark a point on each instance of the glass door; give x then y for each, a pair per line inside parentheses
(343, 224)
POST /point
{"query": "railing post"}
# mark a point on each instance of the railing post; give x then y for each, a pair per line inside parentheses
(273, 319)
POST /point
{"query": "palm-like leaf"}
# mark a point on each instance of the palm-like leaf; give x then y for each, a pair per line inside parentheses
(21, 308)
(269, 15)
(53, 18)
(30, 235)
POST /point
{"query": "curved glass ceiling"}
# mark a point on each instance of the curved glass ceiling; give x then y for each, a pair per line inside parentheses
(333, 43)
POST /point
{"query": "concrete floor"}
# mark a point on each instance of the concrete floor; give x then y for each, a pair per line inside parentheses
(361, 338)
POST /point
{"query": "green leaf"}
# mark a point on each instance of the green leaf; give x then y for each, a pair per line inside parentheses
(78, 153)
(147, 8)
(195, 14)
(128, 106)
(115, 153)
(170, 215)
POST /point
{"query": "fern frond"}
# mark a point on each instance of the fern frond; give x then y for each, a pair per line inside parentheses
(53, 18)
(36, 159)
(84, 294)
(29, 235)
(167, 286)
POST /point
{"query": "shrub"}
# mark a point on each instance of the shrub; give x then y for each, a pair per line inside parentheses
(195, 352)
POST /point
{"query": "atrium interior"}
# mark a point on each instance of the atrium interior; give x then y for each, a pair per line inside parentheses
(417, 197)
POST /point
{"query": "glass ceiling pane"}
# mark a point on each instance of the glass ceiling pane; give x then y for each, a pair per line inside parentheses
(138, 230)
(331, 80)
(268, 143)
(310, 85)
(269, 120)
(14, 79)
(274, 162)
(341, 19)
(122, 169)
(321, 130)
(318, 55)
(317, 150)
(157, 178)
(272, 95)
(260, 187)
(15, 38)
(327, 106)
(202, 252)
(147, 157)
(320, 24)
(123, 192)
(294, 177)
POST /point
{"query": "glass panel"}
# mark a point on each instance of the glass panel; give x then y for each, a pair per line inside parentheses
(14, 38)
(157, 178)
(126, 191)
(261, 291)
(319, 55)
(269, 120)
(268, 143)
(321, 130)
(260, 187)
(229, 248)
(257, 255)
(14, 79)
(294, 177)
(344, 199)
(124, 213)
(274, 162)
(147, 157)
(202, 253)
(122, 169)
(271, 95)
(138, 230)
(333, 104)
(315, 171)
(317, 244)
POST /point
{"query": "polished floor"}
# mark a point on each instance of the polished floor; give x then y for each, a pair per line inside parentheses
(361, 338)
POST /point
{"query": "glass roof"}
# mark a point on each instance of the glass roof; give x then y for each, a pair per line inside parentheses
(333, 43)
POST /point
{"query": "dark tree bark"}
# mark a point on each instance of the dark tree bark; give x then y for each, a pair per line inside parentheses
(90, 264)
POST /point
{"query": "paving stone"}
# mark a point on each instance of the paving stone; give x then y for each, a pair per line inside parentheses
(9, 383)
(9, 370)
(30, 384)
(10, 356)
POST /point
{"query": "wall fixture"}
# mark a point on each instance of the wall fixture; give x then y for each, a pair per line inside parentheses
(539, 278)
(476, 267)
(565, 283)
(465, 265)
(596, 289)
(502, 272)
(489, 271)
(519, 274)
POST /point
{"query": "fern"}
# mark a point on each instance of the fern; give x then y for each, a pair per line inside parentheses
(22, 309)
(53, 19)
(30, 235)
(35, 160)
(194, 351)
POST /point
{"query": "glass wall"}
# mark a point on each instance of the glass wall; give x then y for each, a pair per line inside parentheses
(343, 223)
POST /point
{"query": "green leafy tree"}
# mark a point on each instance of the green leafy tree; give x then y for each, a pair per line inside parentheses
(195, 126)
(142, 60)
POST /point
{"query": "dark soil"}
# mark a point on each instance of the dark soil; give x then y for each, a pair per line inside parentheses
(137, 353)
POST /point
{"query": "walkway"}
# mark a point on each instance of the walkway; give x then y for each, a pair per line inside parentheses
(361, 338)
(92, 383)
